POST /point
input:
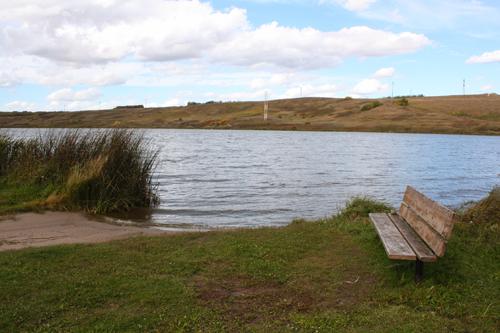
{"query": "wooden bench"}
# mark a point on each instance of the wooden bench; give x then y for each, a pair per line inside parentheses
(419, 233)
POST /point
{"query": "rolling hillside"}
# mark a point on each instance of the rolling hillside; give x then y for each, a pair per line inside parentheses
(471, 114)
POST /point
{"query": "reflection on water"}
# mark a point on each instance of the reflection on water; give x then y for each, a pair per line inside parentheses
(265, 178)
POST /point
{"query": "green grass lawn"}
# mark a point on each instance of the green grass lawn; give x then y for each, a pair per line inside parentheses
(310, 276)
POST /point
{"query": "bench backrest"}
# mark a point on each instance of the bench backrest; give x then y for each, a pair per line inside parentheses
(431, 220)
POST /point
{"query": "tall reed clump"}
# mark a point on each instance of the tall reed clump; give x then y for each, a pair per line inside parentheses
(98, 171)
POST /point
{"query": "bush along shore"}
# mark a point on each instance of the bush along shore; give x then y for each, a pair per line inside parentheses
(97, 171)
(310, 276)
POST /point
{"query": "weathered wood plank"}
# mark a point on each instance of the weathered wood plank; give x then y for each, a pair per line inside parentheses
(438, 216)
(394, 243)
(421, 250)
(429, 235)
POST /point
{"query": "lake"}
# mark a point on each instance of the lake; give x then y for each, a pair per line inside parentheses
(226, 178)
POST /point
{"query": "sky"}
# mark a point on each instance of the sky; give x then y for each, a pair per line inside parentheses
(68, 55)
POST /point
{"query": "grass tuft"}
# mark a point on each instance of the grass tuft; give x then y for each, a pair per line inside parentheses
(360, 207)
(482, 220)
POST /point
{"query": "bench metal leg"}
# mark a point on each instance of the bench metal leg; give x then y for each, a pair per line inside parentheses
(419, 270)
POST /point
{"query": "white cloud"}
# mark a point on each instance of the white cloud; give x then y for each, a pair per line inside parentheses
(327, 90)
(110, 75)
(245, 96)
(174, 102)
(382, 73)
(81, 33)
(78, 34)
(273, 81)
(487, 57)
(488, 87)
(168, 103)
(475, 2)
(34, 70)
(358, 4)
(172, 68)
(310, 49)
(369, 86)
(354, 5)
(19, 106)
(68, 79)
(80, 105)
(9, 80)
(67, 94)
(479, 78)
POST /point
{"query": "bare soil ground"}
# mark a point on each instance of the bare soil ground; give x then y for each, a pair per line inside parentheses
(53, 228)
(470, 114)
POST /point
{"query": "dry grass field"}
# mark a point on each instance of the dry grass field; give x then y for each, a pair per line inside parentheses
(471, 114)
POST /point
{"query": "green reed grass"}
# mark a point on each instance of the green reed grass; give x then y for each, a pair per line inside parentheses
(97, 171)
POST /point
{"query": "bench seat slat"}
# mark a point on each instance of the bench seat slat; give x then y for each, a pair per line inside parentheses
(421, 250)
(429, 235)
(394, 243)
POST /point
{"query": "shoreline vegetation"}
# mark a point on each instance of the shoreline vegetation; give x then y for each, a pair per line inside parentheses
(309, 276)
(469, 114)
(94, 171)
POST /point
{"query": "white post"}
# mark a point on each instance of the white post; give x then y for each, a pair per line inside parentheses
(265, 107)
(392, 94)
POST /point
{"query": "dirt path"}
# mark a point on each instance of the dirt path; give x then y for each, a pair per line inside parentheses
(52, 228)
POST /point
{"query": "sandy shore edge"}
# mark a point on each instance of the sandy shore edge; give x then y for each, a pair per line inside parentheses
(52, 228)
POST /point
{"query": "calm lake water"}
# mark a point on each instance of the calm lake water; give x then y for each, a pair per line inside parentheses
(210, 178)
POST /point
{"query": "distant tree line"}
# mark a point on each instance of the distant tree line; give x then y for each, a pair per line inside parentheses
(130, 107)
(407, 96)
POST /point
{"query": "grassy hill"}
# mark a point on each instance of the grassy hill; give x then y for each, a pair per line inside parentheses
(471, 114)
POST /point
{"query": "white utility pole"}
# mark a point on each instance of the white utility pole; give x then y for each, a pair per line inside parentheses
(265, 107)
(392, 94)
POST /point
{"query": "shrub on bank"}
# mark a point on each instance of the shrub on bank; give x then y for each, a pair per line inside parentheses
(370, 106)
(97, 171)
(402, 102)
